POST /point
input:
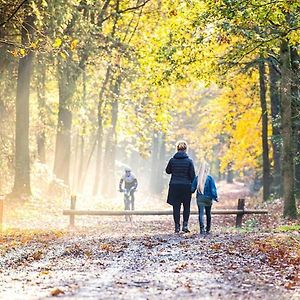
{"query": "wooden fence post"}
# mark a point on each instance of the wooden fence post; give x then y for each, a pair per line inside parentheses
(1, 212)
(239, 216)
(72, 207)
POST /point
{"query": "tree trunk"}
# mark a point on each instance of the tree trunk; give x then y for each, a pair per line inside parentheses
(110, 149)
(63, 136)
(68, 72)
(100, 133)
(80, 167)
(81, 137)
(74, 187)
(229, 177)
(158, 163)
(87, 166)
(263, 103)
(288, 167)
(161, 164)
(274, 80)
(41, 135)
(295, 61)
(22, 159)
(154, 162)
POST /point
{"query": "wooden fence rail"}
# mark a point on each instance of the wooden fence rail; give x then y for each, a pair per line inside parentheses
(239, 212)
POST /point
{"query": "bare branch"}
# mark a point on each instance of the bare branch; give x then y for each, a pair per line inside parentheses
(134, 7)
(103, 11)
(136, 26)
(13, 14)
(127, 9)
(9, 43)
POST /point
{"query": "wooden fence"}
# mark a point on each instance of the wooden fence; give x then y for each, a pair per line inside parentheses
(239, 212)
(72, 212)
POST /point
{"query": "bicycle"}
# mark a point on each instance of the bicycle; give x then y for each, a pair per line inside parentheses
(128, 201)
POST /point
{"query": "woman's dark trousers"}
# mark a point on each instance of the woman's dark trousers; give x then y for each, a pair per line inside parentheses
(186, 211)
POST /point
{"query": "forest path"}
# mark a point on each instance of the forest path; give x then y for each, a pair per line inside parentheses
(135, 261)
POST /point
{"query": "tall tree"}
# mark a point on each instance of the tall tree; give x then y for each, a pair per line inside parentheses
(41, 97)
(162, 162)
(288, 166)
(70, 66)
(154, 162)
(295, 63)
(158, 162)
(264, 135)
(67, 87)
(100, 131)
(274, 81)
(22, 159)
(111, 138)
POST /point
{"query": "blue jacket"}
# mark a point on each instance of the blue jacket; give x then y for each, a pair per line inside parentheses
(182, 169)
(210, 189)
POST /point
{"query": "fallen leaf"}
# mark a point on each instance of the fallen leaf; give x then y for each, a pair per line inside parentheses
(56, 292)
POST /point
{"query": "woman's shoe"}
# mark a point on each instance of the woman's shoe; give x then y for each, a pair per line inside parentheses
(177, 228)
(185, 227)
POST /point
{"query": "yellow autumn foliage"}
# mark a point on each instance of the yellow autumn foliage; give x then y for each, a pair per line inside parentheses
(230, 125)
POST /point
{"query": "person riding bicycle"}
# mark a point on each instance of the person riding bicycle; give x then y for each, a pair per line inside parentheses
(130, 185)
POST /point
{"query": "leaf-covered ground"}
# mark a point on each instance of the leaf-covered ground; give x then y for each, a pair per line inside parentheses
(146, 260)
(108, 258)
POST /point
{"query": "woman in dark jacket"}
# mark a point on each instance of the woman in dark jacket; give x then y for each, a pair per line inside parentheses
(183, 172)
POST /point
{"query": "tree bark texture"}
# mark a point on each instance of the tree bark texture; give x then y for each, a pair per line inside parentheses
(80, 165)
(274, 81)
(265, 146)
(295, 61)
(162, 162)
(41, 135)
(154, 162)
(63, 136)
(158, 162)
(22, 159)
(288, 167)
(110, 149)
(100, 132)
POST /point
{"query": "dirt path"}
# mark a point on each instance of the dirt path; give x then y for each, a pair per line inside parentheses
(137, 262)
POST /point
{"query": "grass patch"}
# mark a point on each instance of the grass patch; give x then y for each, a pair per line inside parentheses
(287, 228)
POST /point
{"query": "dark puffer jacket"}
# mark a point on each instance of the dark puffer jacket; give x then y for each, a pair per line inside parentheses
(182, 169)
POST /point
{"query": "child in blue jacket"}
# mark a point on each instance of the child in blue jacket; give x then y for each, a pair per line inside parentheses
(206, 193)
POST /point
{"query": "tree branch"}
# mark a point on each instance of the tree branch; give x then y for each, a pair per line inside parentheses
(9, 43)
(134, 7)
(103, 11)
(136, 26)
(127, 9)
(13, 14)
(267, 3)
